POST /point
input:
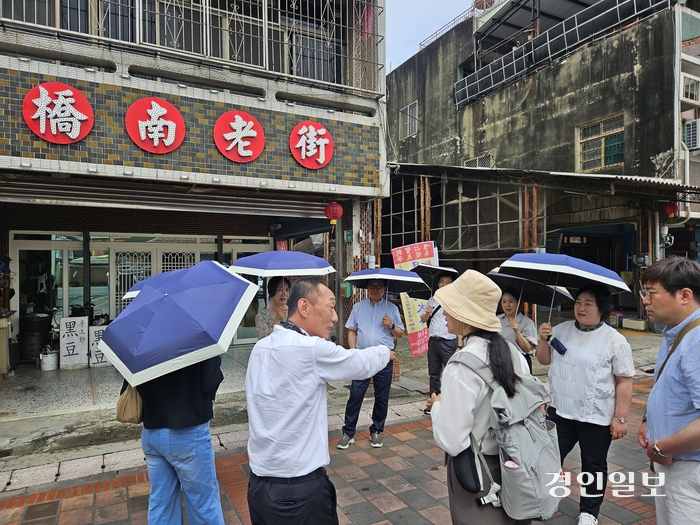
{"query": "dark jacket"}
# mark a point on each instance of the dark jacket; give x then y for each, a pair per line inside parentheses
(183, 398)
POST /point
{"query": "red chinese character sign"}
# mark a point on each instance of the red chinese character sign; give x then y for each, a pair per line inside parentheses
(311, 145)
(155, 125)
(239, 136)
(58, 113)
(405, 258)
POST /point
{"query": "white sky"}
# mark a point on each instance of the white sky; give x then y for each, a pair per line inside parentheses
(409, 22)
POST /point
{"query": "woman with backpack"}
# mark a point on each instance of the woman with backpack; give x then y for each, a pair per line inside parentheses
(590, 379)
(464, 406)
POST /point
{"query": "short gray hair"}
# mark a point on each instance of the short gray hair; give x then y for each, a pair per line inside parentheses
(304, 288)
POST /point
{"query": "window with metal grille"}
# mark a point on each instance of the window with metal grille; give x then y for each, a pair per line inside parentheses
(408, 121)
(602, 144)
(331, 41)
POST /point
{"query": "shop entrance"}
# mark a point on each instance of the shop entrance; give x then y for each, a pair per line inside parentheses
(50, 277)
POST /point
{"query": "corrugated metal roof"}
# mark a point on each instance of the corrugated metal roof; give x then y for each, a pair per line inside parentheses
(568, 180)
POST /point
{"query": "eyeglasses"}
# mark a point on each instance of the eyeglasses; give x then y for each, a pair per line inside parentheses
(375, 287)
(444, 282)
(649, 295)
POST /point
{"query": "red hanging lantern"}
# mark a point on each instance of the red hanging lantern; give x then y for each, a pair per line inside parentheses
(670, 209)
(333, 211)
(690, 226)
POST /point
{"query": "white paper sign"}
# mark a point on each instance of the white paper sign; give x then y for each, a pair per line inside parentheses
(97, 357)
(74, 342)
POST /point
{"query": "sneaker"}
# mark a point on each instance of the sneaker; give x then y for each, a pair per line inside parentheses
(375, 439)
(426, 411)
(587, 519)
(345, 442)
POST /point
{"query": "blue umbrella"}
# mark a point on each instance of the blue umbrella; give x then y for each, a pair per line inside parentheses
(177, 321)
(531, 291)
(562, 270)
(397, 280)
(534, 292)
(162, 279)
(282, 263)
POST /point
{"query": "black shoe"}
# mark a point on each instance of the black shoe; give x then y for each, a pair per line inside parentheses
(426, 411)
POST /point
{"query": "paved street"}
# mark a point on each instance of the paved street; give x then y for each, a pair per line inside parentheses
(402, 483)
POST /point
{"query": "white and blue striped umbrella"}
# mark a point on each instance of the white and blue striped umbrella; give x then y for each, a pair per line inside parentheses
(282, 263)
(177, 319)
(562, 270)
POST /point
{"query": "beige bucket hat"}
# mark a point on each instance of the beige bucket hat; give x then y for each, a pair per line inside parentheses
(473, 299)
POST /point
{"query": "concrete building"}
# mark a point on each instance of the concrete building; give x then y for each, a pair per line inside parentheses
(558, 124)
(143, 136)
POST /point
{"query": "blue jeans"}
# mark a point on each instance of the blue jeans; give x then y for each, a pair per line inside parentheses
(382, 387)
(182, 458)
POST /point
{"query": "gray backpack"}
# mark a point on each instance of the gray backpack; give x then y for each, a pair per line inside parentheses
(526, 440)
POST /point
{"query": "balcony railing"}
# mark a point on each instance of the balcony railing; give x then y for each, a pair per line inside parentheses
(589, 25)
(330, 41)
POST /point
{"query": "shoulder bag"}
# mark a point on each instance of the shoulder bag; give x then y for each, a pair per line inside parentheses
(465, 469)
(130, 406)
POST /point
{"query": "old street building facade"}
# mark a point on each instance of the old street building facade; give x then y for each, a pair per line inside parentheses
(140, 137)
(559, 125)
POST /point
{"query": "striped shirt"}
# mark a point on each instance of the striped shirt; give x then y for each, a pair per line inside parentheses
(438, 323)
(674, 401)
(582, 380)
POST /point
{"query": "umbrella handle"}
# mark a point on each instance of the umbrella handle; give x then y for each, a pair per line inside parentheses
(556, 280)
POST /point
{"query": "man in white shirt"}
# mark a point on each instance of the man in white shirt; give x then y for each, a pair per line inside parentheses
(442, 344)
(287, 409)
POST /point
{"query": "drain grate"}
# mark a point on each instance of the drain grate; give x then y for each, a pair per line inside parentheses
(5, 453)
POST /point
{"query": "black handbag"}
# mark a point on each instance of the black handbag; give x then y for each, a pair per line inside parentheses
(464, 465)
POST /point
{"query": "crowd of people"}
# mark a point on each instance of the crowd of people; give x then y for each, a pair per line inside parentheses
(590, 378)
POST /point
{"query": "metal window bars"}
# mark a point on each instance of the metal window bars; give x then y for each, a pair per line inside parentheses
(329, 41)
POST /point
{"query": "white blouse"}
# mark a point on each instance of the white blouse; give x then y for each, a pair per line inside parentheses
(582, 381)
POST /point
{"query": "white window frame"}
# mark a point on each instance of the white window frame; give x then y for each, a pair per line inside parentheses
(408, 121)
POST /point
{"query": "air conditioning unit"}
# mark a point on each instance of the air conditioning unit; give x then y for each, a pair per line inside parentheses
(691, 134)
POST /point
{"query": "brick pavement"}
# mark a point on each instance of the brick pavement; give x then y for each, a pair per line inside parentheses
(401, 483)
